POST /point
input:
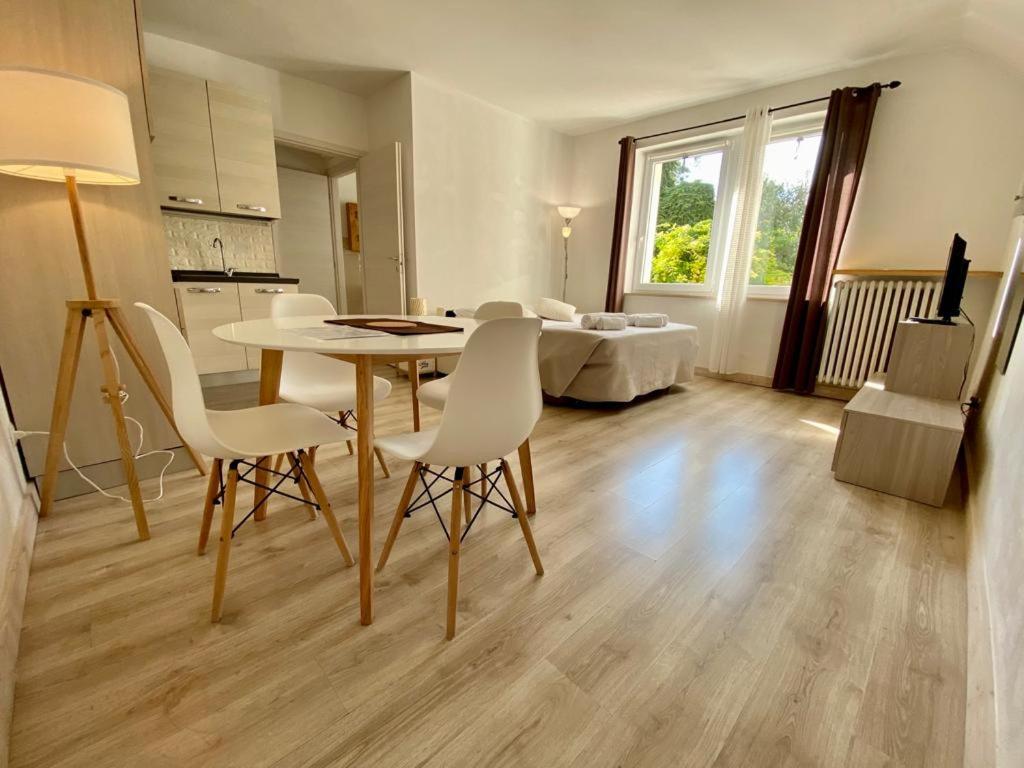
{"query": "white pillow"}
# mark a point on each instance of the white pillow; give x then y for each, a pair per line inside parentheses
(553, 309)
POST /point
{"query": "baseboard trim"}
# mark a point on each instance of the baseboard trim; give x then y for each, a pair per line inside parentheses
(739, 378)
(980, 726)
(13, 589)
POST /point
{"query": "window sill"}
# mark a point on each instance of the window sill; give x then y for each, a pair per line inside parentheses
(769, 296)
(675, 293)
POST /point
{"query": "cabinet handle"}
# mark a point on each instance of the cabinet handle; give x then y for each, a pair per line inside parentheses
(252, 207)
(189, 200)
(203, 290)
(269, 290)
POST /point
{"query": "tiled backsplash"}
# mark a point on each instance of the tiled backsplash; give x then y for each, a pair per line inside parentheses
(248, 245)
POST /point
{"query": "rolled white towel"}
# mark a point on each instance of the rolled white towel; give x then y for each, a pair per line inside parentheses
(648, 320)
(603, 321)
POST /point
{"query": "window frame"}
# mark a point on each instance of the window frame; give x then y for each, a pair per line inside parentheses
(649, 159)
(785, 128)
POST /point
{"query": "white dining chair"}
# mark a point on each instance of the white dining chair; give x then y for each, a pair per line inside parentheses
(433, 394)
(498, 365)
(320, 382)
(237, 437)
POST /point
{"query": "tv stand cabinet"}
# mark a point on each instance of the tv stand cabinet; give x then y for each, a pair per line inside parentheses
(902, 431)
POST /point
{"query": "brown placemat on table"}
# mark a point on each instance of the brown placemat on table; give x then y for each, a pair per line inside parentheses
(394, 326)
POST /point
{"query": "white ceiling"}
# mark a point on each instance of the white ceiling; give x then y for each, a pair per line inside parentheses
(579, 65)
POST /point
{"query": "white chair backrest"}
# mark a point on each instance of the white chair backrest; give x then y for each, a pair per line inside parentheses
(300, 370)
(299, 304)
(492, 310)
(495, 400)
(186, 392)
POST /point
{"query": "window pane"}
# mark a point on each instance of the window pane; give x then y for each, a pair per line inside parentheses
(686, 207)
(788, 167)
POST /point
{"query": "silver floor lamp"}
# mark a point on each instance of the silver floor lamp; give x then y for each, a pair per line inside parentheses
(568, 213)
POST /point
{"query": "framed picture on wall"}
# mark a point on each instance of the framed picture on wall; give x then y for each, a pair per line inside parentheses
(1014, 316)
(352, 219)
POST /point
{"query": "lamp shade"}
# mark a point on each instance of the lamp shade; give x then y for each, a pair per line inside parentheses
(568, 211)
(56, 125)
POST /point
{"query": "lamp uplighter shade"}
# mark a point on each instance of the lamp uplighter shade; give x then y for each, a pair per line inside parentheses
(568, 211)
(56, 125)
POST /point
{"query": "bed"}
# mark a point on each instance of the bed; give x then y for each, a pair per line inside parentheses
(614, 366)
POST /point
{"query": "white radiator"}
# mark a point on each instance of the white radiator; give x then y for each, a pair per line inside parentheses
(862, 317)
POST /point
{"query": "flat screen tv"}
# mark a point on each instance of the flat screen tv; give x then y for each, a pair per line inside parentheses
(952, 284)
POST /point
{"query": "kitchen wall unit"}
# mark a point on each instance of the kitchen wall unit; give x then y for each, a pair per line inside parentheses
(203, 305)
(213, 147)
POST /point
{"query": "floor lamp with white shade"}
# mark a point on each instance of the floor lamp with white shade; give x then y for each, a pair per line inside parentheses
(64, 128)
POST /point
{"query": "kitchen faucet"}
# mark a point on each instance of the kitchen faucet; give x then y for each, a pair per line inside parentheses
(218, 243)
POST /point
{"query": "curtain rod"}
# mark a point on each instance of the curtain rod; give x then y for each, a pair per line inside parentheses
(891, 84)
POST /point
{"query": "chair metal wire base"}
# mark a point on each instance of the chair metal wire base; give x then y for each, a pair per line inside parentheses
(488, 484)
(296, 475)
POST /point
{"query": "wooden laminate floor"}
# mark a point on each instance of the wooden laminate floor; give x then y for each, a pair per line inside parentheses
(712, 598)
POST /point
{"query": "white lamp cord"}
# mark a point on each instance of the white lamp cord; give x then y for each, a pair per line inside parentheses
(136, 454)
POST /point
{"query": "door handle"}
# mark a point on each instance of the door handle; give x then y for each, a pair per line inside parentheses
(269, 290)
(252, 207)
(183, 199)
(203, 290)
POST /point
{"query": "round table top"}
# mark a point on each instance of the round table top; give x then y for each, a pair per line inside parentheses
(281, 333)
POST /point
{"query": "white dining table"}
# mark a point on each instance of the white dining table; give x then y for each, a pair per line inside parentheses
(276, 336)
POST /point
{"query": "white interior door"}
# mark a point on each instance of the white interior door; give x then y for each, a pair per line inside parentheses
(305, 236)
(380, 219)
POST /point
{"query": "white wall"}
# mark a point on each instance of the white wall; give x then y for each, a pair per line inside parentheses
(945, 155)
(302, 109)
(18, 507)
(486, 184)
(345, 192)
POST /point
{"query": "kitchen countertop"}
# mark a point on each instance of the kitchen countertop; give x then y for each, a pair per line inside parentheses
(209, 276)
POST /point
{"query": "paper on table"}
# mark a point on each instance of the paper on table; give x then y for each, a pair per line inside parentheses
(333, 332)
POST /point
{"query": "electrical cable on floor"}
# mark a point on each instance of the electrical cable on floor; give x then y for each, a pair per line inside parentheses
(136, 454)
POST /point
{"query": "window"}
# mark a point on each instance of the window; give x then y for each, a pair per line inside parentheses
(788, 167)
(686, 211)
(679, 244)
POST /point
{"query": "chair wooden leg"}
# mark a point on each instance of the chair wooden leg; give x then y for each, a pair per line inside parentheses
(350, 449)
(383, 464)
(454, 547)
(325, 507)
(467, 504)
(278, 461)
(303, 488)
(212, 490)
(521, 516)
(526, 466)
(227, 522)
(396, 523)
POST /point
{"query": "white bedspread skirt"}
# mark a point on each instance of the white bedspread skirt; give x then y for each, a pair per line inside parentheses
(615, 366)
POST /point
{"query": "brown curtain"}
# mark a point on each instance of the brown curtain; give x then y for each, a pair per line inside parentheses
(829, 203)
(620, 226)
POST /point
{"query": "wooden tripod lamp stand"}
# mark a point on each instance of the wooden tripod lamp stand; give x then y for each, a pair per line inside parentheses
(60, 127)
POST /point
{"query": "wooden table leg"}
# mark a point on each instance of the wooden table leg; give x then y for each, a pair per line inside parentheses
(364, 442)
(526, 466)
(270, 384)
(414, 385)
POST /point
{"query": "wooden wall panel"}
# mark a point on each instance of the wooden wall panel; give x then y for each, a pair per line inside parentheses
(38, 262)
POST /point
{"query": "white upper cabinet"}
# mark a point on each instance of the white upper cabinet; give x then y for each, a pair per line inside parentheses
(186, 174)
(213, 147)
(243, 145)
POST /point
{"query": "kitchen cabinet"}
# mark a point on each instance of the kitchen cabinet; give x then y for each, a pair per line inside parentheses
(254, 300)
(183, 161)
(243, 146)
(213, 147)
(203, 305)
